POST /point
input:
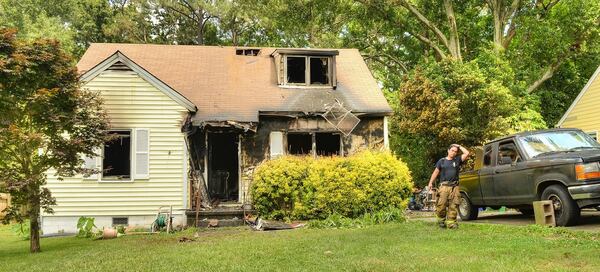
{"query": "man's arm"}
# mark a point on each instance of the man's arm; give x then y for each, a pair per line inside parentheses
(433, 177)
(465, 153)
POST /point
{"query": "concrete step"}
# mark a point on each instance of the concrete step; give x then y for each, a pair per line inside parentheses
(220, 216)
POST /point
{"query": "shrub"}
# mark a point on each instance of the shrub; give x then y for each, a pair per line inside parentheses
(306, 188)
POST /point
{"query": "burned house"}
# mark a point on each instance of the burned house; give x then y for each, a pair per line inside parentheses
(193, 122)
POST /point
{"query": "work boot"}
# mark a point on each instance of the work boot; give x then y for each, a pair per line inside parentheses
(452, 225)
(442, 223)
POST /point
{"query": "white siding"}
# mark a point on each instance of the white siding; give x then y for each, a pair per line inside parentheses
(131, 103)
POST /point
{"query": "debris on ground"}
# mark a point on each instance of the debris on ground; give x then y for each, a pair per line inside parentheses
(261, 224)
(186, 239)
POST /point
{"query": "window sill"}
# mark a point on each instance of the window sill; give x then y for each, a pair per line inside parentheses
(306, 87)
(116, 181)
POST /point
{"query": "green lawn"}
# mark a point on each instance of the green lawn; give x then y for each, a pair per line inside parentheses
(417, 246)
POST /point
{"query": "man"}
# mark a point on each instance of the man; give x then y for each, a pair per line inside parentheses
(448, 195)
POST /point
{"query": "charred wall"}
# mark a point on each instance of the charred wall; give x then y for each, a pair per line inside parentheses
(255, 148)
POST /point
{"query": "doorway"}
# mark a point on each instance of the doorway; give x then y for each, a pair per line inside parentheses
(223, 167)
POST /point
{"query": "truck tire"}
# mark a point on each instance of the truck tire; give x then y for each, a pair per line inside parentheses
(566, 211)
(466, 210)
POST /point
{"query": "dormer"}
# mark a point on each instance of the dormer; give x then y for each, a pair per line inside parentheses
(305, 68)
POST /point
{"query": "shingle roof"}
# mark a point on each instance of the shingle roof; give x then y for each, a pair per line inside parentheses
(225, 86)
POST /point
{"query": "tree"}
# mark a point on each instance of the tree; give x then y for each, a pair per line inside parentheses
(46, 122)
(446, 102)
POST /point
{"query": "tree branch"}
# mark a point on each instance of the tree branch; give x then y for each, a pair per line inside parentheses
(377, 57)
(430, 43)
(182, 13)
(426, 22)
(548, 73)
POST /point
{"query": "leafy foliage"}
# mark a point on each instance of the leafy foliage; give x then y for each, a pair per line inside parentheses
(448, 102)
(21, 229)
(305, 188)
(85, 226)
(46, 122)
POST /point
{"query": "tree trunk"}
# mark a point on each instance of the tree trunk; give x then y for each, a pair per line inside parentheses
(200, 37)
(496, 7)
(454, 43)
(34, 228)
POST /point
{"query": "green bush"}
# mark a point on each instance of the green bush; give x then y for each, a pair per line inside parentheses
(305, 188)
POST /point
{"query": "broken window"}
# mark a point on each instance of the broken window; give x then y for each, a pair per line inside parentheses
(299, 143)
(305, 70)
(247, 52)
(327, 144)
(319, 71)
(117, 156)
(296, 70)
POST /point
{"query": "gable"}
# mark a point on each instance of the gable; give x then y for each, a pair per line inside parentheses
(583, 111)
(119, 62)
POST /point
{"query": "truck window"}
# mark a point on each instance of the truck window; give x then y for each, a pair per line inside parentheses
(508, 153)
(487, 156)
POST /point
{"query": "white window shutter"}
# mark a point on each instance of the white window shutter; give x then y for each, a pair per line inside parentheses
(142, 153)
(92, 163)
(276, 144)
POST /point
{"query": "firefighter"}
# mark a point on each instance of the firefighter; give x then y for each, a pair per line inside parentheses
(448, 193)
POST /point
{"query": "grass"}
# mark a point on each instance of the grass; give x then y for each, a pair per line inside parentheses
(418, 246)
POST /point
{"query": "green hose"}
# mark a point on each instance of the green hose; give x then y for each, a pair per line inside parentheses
(161, 221)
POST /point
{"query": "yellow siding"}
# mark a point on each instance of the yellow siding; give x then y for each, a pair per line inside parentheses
(585, 115)
(131, 102)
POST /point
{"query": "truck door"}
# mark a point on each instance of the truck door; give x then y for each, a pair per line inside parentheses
(486, 182)
(511, 184)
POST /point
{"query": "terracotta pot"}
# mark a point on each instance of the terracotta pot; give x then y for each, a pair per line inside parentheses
(109, 233)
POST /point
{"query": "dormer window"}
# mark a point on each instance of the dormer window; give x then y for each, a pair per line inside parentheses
(307, 70)
(305, 67)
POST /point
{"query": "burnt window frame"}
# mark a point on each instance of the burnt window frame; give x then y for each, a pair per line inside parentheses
(131, 158)
(313, 136)
(307, 79)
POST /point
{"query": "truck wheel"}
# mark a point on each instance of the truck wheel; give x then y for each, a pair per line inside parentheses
(466, 210)
(566, 211)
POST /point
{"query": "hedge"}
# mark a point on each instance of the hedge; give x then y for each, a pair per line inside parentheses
(293, 187)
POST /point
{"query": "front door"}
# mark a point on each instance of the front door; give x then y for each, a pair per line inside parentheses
(223, 167)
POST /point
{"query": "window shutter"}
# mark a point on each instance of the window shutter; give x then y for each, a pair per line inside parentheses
(92, 163)
(142, 153)
(276, 143)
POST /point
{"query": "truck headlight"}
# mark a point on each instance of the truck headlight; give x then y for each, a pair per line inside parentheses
(587, 171)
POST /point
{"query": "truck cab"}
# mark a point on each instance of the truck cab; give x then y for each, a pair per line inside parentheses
(561, 165)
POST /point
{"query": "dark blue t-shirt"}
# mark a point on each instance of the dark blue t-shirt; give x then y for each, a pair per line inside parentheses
(449, 169)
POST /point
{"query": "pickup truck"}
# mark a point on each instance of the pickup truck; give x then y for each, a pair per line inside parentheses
(561, 165)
